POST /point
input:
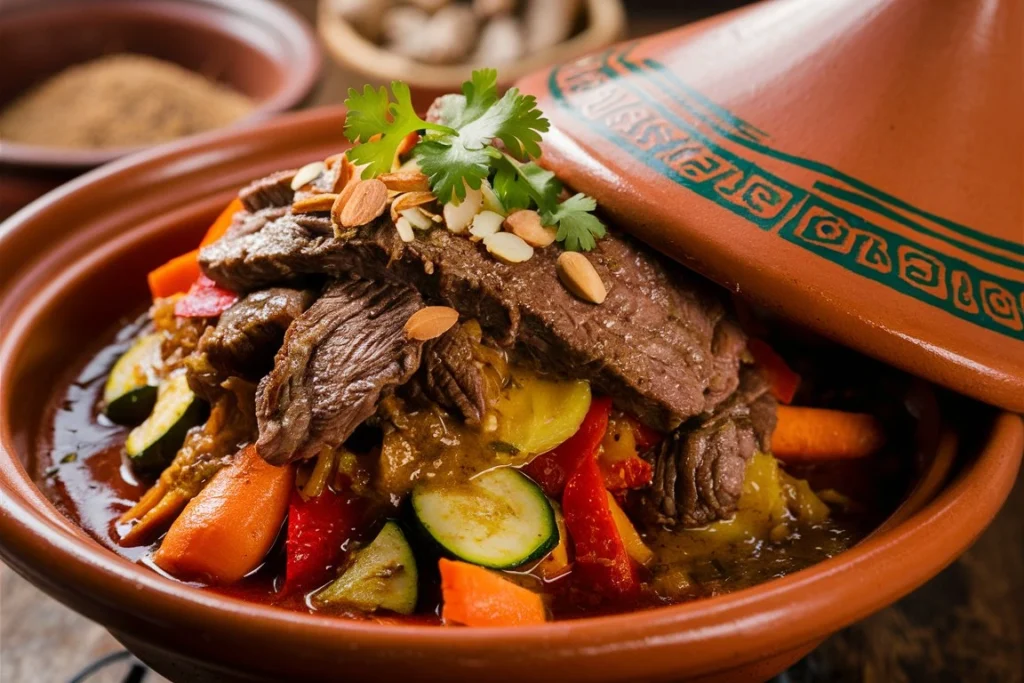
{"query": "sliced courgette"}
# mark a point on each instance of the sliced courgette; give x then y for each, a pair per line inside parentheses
(152, 444)
(382, 576)
(499, 519)
(131, 387)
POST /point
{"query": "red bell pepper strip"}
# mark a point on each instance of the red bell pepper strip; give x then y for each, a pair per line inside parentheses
(602, 561)
(784, 382)
(633, 473)
(318, 529)
(646, 437)
(552, 469)
(205, 299)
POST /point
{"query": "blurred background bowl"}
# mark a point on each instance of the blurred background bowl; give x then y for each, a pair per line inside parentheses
(257, 47)
(600, 23)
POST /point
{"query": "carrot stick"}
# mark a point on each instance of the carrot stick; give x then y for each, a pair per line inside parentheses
(222, 223)
(225, 531)
(819, 434)
(474, 596)
(783, 381)
(175, 276)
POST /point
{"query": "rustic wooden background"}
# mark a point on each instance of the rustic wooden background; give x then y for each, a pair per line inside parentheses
(967, 624)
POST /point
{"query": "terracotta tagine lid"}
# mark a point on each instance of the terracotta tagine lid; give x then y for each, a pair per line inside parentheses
(857, 165)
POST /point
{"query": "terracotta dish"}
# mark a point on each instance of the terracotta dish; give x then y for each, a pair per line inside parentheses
(259, 48)
(74, 263)
(604, 24)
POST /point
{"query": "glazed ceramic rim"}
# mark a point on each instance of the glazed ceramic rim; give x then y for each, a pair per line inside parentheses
(36, 539)
(276, 20)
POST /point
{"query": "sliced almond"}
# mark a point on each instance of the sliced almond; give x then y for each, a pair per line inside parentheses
(485, 223)
(458, 216)
(508, 248)
(368, 200)
(409, 200)
(314, 203)
(417, 219)
(430, 322)
(346, 172)
(340, 202)
(404, 229)
(406, 181)
(527, 225)
(578, 275)
(307, 174)
(334, 159)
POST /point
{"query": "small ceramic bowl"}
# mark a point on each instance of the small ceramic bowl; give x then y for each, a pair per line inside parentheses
(257, 47)
(74, 262)
(604, 23)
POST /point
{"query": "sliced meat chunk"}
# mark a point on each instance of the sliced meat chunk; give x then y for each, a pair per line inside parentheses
(451, 376)
(699, 468)
(649, 345)
(337, 359)
(274, 190)
(248, 334)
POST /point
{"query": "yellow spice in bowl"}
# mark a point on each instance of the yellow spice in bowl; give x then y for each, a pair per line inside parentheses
(118, 101)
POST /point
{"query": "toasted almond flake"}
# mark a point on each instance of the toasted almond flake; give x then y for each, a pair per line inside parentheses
(458, 216)
(418, 219)
(307, 174)
(408, 201)
(334, 159)
(340, 202)
(485, 223)
(490, 200)
(527, 225)
(430, 322)
(578, 275)
(368, 200)
(508, 248)
(346, 172)
(314, 203)
(405, 181)
(404, 229)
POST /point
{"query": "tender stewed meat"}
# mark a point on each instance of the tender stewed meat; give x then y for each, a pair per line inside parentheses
(248, 334)
(451, 376)
(274, 190)
(337, 359)
(655, 344)
(699, 468)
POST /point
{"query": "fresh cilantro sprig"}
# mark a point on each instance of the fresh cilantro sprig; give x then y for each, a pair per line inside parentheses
(460, 150)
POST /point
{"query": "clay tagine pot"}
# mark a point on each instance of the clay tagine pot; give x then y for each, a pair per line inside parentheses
(74, 262)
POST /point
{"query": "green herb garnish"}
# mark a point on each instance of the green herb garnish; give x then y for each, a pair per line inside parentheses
(459, 152)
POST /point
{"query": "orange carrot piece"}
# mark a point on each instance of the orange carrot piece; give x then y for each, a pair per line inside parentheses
(175, 276)
(474, 596)
(820, 434)
(223, 222)
(225, 532)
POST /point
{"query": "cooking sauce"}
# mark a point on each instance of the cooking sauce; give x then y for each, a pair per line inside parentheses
(82, 468)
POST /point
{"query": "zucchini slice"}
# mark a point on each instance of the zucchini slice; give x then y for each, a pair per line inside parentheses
(499, 519)
(131, 388)
(152, 445)
(382, 576)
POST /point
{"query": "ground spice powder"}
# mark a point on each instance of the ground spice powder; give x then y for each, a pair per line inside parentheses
(120, 100)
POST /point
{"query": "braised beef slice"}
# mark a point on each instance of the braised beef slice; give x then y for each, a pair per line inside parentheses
(274, 190)
(651, 345)
(699, 468)
(337, 359)
(248, 334)
(451, 377)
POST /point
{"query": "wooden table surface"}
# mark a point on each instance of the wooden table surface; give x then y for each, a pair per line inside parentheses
(967, 624)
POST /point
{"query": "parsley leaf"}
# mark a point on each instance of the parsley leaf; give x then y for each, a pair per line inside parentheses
(578, 228)
(372, 113)
(518, 185)
(479, 117)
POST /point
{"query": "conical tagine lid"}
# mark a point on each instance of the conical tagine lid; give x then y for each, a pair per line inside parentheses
(857, 165)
